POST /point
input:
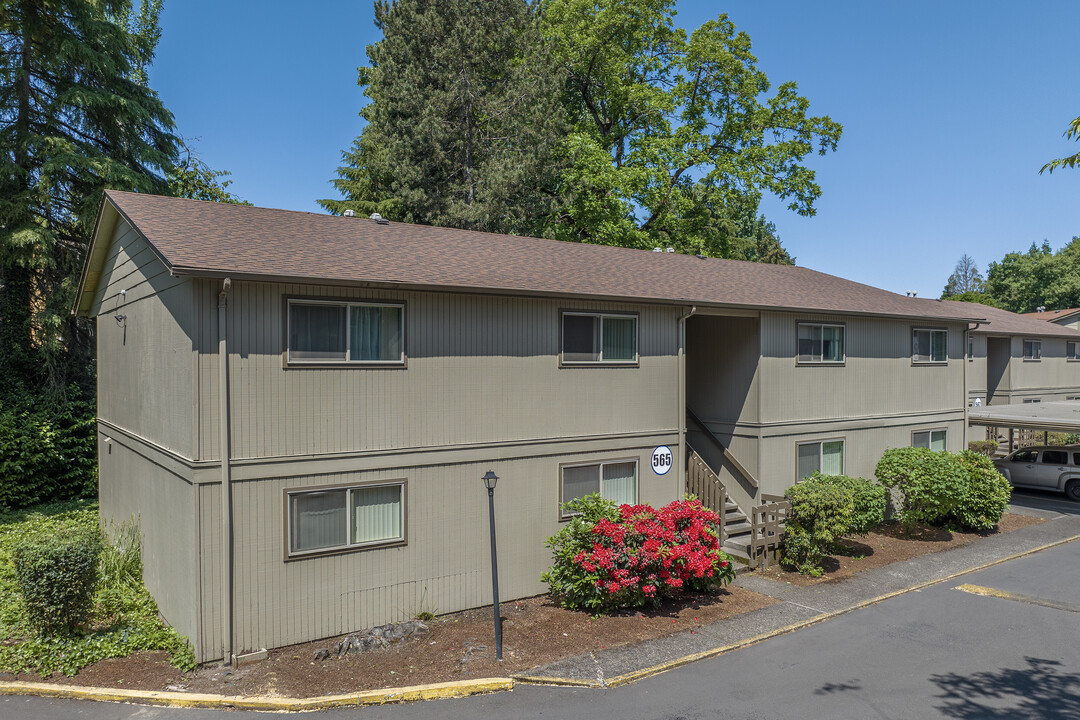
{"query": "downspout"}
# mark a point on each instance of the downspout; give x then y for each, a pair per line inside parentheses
(226, 489)
(682, 395)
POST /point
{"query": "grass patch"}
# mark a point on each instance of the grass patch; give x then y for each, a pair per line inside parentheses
(124, 619)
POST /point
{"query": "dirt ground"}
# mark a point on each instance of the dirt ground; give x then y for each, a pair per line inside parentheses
(892, 544)
(460, 646)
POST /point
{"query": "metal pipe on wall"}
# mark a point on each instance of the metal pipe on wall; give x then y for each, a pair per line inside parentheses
(682, 396)
(226, 489)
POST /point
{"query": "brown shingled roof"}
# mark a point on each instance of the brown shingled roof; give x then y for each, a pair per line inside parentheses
(1003, 322)
(1053, 315)
(215, 239)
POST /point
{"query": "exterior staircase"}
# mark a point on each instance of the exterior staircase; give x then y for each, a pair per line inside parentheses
(748, 540)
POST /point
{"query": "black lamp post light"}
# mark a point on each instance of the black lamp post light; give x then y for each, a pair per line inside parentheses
(490, 479)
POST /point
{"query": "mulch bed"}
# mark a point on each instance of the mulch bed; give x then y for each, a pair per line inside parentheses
(460, 646)
(891, 544)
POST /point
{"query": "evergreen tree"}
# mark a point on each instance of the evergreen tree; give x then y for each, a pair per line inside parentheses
(463, 117)
(76, 116)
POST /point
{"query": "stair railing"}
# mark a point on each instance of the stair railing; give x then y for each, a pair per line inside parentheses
(767, 529)
(704, 484)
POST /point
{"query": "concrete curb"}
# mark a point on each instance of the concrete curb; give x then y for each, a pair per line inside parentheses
(437, 691)
(461, 688)
(714, 652)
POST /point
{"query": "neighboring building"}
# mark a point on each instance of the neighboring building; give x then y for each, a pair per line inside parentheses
(1014, 359)
(374, 372)
(1069, 318)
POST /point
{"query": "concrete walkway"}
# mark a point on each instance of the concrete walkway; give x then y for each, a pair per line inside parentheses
(798, 607)
(803, 606)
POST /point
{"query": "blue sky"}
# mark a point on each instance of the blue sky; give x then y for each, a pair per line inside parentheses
(949, 110)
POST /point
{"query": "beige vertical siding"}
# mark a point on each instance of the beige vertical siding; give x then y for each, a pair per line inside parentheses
(722, 368)
(443, 567)
(1050, 378)
(877, 379)
(134, 485)
(480, 370)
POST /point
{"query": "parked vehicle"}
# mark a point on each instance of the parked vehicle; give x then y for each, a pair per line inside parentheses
(1045, 468)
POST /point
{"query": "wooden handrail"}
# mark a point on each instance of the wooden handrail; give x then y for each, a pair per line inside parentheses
(720, 444)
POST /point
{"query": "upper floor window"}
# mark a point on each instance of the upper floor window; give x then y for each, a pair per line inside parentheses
(346, 332)
(929, 346)
(1032, 350)
(821, 343)
(1072, 350)
(599, 338)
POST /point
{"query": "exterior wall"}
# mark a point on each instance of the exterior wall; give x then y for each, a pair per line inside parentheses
(1051, 378)
(138, 481)
(479, 370)
(146, 363)
(445, 565)
(874, 401)
(482, 390)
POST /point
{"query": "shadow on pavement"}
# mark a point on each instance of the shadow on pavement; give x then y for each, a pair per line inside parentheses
(1044, 500)
(1041, 690)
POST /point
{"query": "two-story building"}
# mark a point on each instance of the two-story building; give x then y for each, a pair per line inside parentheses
(300, 407)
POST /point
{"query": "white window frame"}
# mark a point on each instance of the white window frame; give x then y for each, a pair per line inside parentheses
(563, 515)
(931, 361)
(1074, 355)
(820, 356)
(349, 545)
(602, 316)
(1036, 346)
(820, 443)
(930, 437)
(347, 305)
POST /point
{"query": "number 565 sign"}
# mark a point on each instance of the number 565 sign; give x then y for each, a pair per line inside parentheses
(661, 460)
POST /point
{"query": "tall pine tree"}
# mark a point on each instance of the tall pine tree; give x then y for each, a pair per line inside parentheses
(464, 114)
(76, 116)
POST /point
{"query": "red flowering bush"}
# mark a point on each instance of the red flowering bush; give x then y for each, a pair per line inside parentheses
(612, 557)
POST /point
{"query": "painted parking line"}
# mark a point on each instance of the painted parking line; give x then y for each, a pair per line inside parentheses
(1029, 599)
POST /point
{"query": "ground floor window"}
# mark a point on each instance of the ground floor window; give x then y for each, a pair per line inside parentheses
(933, 439)
(347, 517)
(615, 481)
(826, 457)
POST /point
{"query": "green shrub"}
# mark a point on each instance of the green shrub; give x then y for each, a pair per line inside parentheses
(46, 453)
(57, 576)
(985, 494)
(635, 555)
(820, 514)
(930, 483)
(1060, 438)
(869, 500)
(983, 447)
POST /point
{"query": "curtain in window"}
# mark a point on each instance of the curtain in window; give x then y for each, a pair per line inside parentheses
(620, 339)
(809, 460)
(376, 513)
(809, 343)
(316, 332)
(580, 481)
(620, 483)
(920, 345)
(937, 440)
(938, 350)
(318, 520)
(375, 333)
(581, 338)
(832, 343)
(832, 458)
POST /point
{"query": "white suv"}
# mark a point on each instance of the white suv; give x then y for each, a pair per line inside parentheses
(1045, 468)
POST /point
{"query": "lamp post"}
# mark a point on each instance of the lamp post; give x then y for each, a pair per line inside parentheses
(490, 479)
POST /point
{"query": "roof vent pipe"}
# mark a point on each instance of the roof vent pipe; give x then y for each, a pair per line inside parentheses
(349, 213)
(379, 219)
(657, 250)
(671, 249)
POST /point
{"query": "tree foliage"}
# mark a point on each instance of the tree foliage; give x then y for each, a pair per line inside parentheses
(1041, 277)
(965, 278)
(1072, 132)
(673, 136)
(463, 118)
(193, 178)
(586, 121)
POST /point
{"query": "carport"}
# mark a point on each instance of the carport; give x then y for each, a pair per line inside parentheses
(1058, 416)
